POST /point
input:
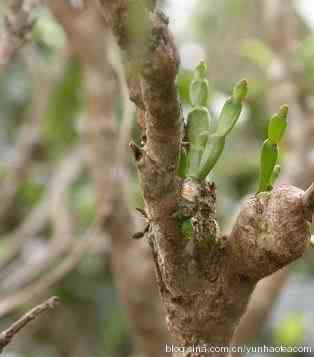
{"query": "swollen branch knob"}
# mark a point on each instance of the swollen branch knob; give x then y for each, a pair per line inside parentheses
(271, 231)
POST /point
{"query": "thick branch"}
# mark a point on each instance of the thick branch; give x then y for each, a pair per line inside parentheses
(271, 231)
(105, 153)
(7, 335)
(205, 287)
(152, 77)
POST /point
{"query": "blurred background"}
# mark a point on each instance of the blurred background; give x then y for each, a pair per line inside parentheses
(68, 189)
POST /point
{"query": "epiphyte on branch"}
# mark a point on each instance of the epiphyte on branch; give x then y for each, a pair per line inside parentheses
(269, 154)
(205, 147)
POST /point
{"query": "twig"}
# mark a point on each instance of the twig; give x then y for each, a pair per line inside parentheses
(18, 26)
(40, 286)
(7, 335)
(20, 160)
(65, 173)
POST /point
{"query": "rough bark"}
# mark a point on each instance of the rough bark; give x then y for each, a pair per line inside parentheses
(131, 261)
(7, 335)
(205, 285)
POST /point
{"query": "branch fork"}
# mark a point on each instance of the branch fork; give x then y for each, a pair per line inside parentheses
(205, 290)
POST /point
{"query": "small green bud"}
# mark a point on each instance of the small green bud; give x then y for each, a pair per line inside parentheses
(201, 71)
(269, 156)
(277, 125)
(240, 90)
(199, 88)
(232, 109)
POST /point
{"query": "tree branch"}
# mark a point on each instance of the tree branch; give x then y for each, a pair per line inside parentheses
(18, 26)
(152, 68)
(105, 153)
(7, 335)
(271, 231)
(206, 283)
(42, 284)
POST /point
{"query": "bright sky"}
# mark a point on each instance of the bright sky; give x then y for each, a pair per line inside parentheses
(180, 10)
(306, 9)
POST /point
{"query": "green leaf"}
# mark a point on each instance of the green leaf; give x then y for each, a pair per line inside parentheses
(210, 156)
(201, 70)
(183, 163)
(199, 93)
(277, 125)
(183, 83)
(198, 125)
(232, 109)
(269, 156)
(275, 174)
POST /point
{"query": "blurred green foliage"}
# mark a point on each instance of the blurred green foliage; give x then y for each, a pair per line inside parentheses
(231, 34)
(30, 193)
(291, 330)
(60, 125)
(83, 202)
(257, 52)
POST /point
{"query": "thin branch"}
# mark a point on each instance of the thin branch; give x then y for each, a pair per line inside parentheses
(7, 335)
(21, 158)
(40, 286)
(66, 171)
(18, 26)
(20, 164)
